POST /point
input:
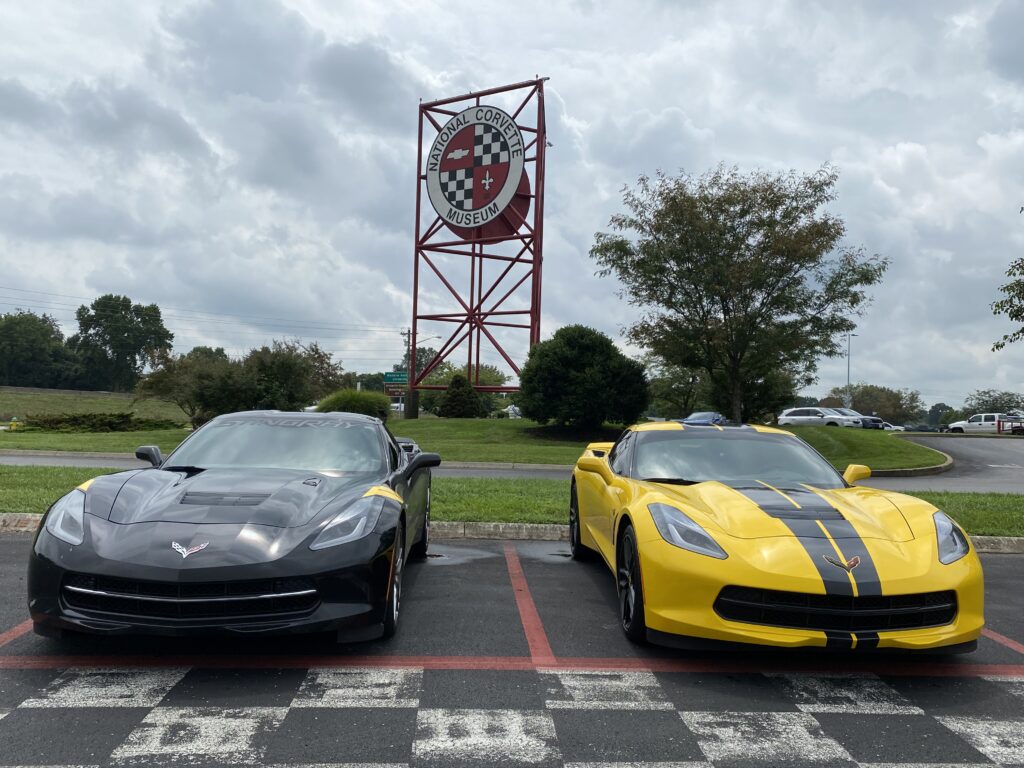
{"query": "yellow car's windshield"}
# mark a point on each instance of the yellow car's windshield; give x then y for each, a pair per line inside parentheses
(736, 458)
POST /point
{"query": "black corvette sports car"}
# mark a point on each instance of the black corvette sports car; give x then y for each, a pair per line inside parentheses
(259, 522)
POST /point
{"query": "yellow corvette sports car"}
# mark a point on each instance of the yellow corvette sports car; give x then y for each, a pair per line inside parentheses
(747, 535)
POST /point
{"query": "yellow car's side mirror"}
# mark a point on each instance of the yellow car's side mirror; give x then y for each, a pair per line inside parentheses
(855, 472)
(595, 465)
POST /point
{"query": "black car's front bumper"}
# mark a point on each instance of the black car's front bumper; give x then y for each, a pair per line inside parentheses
(342, 589)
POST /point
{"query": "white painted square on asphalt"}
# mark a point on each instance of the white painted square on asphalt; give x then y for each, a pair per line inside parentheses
(605, 690)
(771, 738)
(199, 734)
(850, 694)
(1001, 741)
(1014, 685)
(128, 687)
(359, 687)
(482, 736)
(687, 764)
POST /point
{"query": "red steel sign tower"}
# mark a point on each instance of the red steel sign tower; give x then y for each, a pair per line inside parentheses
(479, 227)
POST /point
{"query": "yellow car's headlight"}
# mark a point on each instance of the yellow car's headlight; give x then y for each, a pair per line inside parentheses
(679, 530)
(952, 541)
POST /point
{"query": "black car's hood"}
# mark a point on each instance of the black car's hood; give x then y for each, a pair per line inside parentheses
(275, 497)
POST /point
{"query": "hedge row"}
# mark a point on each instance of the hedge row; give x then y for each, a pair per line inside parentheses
(97, 422)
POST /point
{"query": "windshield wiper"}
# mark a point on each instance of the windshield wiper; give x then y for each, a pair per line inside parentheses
(188, 469)
(669, 480)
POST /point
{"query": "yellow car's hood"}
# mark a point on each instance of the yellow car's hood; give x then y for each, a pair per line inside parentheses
(761, 511)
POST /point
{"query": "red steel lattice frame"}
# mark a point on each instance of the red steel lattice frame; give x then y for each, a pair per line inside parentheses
(470, 318)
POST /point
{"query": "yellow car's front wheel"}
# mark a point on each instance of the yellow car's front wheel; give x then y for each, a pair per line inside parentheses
(631, 588)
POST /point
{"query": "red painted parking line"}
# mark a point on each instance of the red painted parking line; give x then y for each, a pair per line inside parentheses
(536, 637)
(14, 633)
(719, 665)
(1003, 640)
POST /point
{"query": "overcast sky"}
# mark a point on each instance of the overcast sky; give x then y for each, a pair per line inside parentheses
(249, 166)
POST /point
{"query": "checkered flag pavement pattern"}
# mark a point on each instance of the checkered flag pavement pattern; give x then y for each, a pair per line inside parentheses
(426, 717)
(489, 146)
(457, 186)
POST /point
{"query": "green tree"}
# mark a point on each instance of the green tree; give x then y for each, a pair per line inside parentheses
(196, 382)
(936, 411)
(460, 401)
(32, 352)
(116, 339)
(676, 392)
(993, 401)
(897, 406)
(1012, 303)
(580, 378)
(738, 275)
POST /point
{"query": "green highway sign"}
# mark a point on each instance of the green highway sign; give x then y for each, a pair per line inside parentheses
(396, 377)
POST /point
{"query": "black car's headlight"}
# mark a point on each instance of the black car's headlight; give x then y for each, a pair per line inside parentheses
(354, 522)
(66, 519)
(678, 529)
(952, 541)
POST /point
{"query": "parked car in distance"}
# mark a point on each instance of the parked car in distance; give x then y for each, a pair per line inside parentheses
(827, 417)
(892, 427)
(705, 418)
(981, 423)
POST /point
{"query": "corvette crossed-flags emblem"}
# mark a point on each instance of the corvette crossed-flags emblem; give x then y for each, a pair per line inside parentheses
(185, 552)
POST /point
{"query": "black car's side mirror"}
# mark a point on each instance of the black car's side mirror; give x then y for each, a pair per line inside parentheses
(150, 453)
(422, 461)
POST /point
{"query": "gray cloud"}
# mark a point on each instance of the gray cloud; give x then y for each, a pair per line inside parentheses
(1004, 36)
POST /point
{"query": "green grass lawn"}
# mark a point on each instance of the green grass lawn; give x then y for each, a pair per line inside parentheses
(874, 447)
(101, 442)
(472, 499)
(20, 404)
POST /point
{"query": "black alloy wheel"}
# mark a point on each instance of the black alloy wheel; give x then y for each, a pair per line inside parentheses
(576, 546)
(418, 551)
(631, 590)
(395, 594)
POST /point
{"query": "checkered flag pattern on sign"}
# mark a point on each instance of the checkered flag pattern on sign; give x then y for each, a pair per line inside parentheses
(458, 188)
(489, 146)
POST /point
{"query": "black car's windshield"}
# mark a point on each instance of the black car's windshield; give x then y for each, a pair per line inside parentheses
(326, 445)
(737, 459)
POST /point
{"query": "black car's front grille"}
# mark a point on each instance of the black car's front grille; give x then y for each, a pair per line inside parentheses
(834, 612)
(263, 598)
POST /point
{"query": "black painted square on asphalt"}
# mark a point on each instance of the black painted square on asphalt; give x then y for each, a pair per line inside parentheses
(482, 689)
(235, 688)
(608, 735)
(347, 735)
(738, 692)
(65, 736)
(972, 696)
(16, 685)
(897, 739)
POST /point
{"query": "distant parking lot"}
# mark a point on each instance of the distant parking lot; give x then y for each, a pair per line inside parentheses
(508, 654)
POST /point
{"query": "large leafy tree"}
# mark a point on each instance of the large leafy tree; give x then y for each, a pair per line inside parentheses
(993, 401)
(1012, 303)
(676, 392)
(580, 378)
(117, 339)
(740, 275)
(32, 352)
(898, 406)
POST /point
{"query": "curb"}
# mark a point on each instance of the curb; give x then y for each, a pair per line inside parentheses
(14, 522)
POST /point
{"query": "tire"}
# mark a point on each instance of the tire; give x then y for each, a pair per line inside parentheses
(418, 551)
(1017, 431)
(957, 429)
(630, 587)
(395, 593)
(832, 424)
(577, 549)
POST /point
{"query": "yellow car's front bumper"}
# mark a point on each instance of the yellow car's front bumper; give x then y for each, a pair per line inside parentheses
(680, 589)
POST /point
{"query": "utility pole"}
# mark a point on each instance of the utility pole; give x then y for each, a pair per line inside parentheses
(849, 392)
(412, 397)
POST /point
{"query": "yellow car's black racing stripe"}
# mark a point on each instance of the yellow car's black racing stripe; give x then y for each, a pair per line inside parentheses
(821, 528)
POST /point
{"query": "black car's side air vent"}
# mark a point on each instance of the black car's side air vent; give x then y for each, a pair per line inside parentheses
(224, 499)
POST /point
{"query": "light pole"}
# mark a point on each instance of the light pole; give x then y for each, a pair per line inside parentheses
(849, 392)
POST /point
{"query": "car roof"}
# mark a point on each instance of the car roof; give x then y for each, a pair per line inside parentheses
(711, 430)
(301, 416)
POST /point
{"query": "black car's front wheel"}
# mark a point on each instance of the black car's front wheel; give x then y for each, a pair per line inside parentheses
(418, 551)
(631, 589)
(395, 590)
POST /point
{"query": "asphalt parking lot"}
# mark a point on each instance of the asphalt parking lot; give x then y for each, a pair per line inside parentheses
(508, 654)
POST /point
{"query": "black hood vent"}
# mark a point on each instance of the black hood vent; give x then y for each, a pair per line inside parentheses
(224, 499)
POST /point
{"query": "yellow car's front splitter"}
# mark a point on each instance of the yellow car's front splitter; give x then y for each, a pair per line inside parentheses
(680, 591)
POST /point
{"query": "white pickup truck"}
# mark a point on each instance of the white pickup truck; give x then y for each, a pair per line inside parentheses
(986, 423)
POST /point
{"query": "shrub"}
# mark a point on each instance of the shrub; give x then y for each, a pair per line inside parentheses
(97, 422)
(580, 378)
(460, 401)
(355, 401)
